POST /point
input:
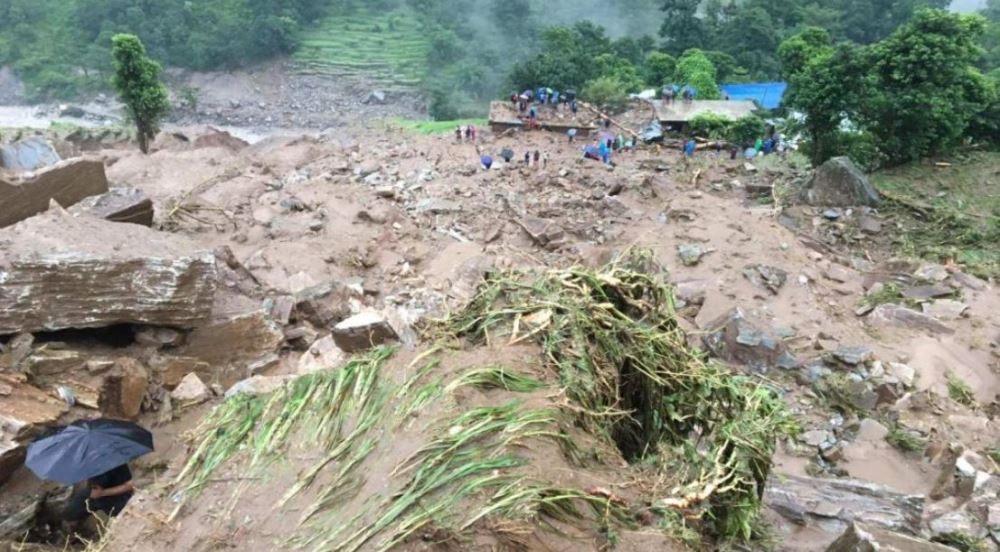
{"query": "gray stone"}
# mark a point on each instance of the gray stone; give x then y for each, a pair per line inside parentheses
(816, 437)
(869, 224)
(29, 154)
(854, 355)
(323, 355)
(66, 183)
(833, 214)
(945, 309)
(437, 206)
(923, 293)
(127, 205)
(544, 232)
(158, 337)
(62, 272)
(734, 339)
(258, 385)
(839, 183)
(765, 276)
(831, 505)
(969, 281)
(957, 521)
(690, 254)
(362, 332)
(895, 316)
(323, 305)
(932, 273)
(867, 538)
(902, 373)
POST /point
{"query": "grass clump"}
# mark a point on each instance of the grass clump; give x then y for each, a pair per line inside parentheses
(962, 542)
(960, 391)
(904, 439)
(612, 340)
(889, 293)
(617, 368)
(435, 127)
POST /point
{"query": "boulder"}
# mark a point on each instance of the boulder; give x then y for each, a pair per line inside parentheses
(860, 537)
(896, 316)
(172, 369)
(190, 391)
(839, 183)
(12, 456)
(376, 97)
(322, 305)
(29, 154)
(62, 272)
(854, 356)
(362, 332)
(66, 183)
(544, 232)
(258, 385)
(235, 347)
(945, 309)
(831, 505)
(732, 338)
(118, 205)
(123, 390)
(25, 409)
(690, 254)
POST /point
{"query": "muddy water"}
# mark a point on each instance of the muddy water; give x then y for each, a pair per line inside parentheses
(20, 116)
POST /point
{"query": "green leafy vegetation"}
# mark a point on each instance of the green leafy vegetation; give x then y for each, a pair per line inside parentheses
(436, 127)
(959, 391)
(905, 439)
(947, 213)
(904, 105)
(137, 81)
(962, 542)
(619, 377)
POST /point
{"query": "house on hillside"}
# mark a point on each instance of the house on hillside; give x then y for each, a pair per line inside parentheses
(674, 116)
(504, 116)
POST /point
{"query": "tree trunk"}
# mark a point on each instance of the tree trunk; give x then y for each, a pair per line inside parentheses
(142, 135)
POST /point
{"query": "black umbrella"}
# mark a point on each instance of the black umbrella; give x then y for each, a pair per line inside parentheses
(87, 448)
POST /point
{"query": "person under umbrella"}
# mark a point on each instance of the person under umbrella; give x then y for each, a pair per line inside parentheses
(95, 451)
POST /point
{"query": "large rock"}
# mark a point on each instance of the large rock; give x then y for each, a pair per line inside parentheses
(732, 338)
(831, 505)
(362, 332)
(124, 389)
(58, 271)
(25, 411)
(323, 355)
(839, 183)
(29, 154)
(191, 391)
(865, 538)
(896, 316)
(118, 205)
(236, 347)
(66, 183)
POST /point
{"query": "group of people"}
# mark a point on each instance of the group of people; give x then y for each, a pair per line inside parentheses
(466, 133)
(671, 91)
(537, 158)
(604, 148)
(770, 143)
(529, 100)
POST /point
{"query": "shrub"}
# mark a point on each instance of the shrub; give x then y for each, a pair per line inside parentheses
(746, 129)
(606, 92)
(709, 125)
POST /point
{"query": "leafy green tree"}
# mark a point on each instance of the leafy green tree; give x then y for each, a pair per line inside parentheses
(925, 90)
(696, 70)
(752, 38)
(682, 29)
(619, 69)
(709, 125)
(137, 81)
(798, 51)
(606, 92)
(826, 88)
(659, 69)
(746, 130)
(867, 21)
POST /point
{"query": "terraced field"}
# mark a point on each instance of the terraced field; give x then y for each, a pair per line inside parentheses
(386, 47)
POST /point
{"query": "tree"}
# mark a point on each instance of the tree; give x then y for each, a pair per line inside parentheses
(868, 21)
(606, 92)
(694, 69)
(746, 129)
(925, 90)
(826, 89)
(752, 38)
(658, 69)
(137, 81)
(796, 52)
(682, 29)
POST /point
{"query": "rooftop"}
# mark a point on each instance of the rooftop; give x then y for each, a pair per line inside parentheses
(681, 112)
(502, 112)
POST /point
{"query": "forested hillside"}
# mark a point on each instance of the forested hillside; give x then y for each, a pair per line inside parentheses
(460, 51)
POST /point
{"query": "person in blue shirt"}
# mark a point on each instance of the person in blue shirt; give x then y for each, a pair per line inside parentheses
(605, 151)
(487, 161)
(689, 147)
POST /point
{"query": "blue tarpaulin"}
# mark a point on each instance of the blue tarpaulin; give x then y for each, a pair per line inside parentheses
(767, 94)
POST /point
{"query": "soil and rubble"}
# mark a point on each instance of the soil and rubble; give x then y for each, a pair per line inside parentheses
(306, 280)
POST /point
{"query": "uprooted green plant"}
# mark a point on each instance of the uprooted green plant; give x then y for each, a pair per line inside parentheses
(619, 368)
(613, 341)
(959, 390)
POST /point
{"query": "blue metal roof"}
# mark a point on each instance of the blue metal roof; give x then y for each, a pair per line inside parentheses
(767, 94)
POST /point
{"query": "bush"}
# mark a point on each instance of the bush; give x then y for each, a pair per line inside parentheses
(606, 92)
(746, 130)
(709, 125)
